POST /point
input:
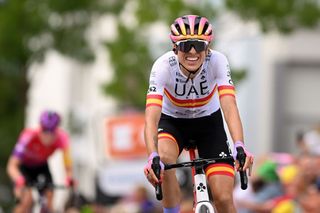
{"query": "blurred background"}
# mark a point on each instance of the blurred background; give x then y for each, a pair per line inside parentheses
(90, 61)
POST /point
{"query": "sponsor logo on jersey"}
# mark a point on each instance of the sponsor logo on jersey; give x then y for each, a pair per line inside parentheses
(172, 61)
(180, 113)
(203, 72)
(153, 74)
(228, 68)
(183, 90)
(152, 89)
(179, 74)
(202, 112)
(196, 111)
(152, 82)
(180, 80)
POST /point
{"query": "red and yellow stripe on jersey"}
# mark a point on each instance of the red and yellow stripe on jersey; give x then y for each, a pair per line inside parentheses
(220, 169)
(154, 100)
(190, 103)
(226, 90)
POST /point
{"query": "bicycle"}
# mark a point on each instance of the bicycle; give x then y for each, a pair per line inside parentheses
(201, 196)
(39, 187)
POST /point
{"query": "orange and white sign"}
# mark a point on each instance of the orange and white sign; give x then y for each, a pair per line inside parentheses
(125, 136)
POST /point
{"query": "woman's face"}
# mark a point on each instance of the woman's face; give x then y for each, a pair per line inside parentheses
(192, 59)
(47, 138)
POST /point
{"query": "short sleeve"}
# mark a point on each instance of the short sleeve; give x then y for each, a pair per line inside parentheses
(223, 76)
(24, 139)
(158, 76)
(63, 139)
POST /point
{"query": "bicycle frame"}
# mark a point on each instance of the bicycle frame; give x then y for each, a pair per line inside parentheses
(41, 203)
(39, 189)
(39, 200)
(200, 191)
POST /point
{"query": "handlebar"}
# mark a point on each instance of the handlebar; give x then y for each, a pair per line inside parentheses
(241, 157)
(41, 187)
(195, 162)
(157, 170)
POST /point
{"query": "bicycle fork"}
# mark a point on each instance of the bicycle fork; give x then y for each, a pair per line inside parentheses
(201, 196)
(201, 193)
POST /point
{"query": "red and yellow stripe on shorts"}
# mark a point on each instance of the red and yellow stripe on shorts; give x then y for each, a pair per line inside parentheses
(226, 90)
(164, 135)
(220, 169)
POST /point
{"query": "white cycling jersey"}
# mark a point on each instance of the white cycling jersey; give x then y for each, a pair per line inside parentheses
(181, 97)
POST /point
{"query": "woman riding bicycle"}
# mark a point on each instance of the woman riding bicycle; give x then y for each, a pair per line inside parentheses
(188, 86)
(29, 159)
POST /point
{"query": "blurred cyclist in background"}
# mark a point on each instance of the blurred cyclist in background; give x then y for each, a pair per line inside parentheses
(189, 88)
(30, 155)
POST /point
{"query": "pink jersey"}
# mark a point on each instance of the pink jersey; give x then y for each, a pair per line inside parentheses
(32, 152)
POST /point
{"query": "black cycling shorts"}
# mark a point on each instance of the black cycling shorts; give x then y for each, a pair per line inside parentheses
(206, 133)
(35, 173)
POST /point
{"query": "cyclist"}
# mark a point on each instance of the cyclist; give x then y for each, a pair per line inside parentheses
(30, 155)
(187, 88)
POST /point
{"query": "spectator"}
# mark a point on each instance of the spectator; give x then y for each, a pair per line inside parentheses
(265, 185)
(311, 140)
(137, 202)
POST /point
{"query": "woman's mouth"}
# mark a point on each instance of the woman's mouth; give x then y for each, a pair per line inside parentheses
(192, 58)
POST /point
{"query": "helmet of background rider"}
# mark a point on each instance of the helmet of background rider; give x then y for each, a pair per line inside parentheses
(49, 120)
(191, 27)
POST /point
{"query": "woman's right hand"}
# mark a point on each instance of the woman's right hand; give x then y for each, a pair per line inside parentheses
(148, 171)
(19, 184)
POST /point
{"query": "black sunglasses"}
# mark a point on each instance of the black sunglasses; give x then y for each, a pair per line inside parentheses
(186, 45)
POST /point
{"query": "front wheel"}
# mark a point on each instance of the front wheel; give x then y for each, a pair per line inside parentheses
(43, 205)
(204, 209)
(44, 209)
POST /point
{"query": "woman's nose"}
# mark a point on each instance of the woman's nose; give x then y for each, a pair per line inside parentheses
(192, 50)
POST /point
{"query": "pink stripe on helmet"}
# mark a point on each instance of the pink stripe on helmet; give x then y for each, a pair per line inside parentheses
(194, 32)
(191, 19)
(201, 25)
(209, 29)
(174, 29)
(182, 26)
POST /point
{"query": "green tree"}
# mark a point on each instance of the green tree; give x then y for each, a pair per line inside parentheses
(28, 28)
(284, 15)
(131, 54)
